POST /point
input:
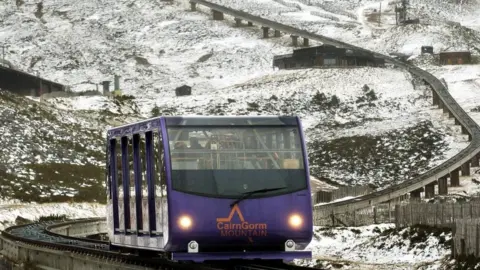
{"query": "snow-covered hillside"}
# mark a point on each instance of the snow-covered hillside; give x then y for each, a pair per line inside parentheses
(356, 22)
(392, 133)
(47, 154)
(380, 135)
(379, 247)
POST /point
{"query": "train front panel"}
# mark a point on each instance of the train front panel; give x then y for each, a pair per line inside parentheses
(251, 225)
(237, 183)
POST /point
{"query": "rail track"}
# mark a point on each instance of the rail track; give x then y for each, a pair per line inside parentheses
(440, 92)
(42, 244)
(47, 244)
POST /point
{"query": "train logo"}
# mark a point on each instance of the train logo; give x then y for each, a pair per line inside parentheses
(229, 228)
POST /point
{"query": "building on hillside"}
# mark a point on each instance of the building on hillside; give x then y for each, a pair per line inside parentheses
(427, 49)
(26, 84)
(455, 58)
(326, 56)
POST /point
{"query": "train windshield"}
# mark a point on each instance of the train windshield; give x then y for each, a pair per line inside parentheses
(228, 161)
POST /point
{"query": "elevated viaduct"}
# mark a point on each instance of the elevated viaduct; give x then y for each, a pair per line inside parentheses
(26, 84)
(425, 182)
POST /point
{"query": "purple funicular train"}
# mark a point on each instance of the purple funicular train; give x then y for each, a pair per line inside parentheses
(210, 188)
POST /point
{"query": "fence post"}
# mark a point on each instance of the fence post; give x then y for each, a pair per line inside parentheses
(443, 218)
(397, 215)
(389, 211)
(477, 240)
(333, 218)
(354, 218)
(471, 209)
(453, 213)
(374, 215)
(411, 215)
(454, 231)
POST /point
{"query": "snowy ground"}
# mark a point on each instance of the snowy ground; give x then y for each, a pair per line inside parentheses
(378, 247)
(50, 155)
(157, 46)
(10, 211)
(80, 44)
(356, 22)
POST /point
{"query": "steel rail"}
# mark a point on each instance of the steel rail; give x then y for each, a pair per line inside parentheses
(407, 186)
(36, 235)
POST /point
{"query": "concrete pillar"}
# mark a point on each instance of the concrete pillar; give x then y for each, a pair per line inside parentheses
(238, 22)
(436, 99)
(305, 42)
(475, 161)
(450, 115)
(265, 31)
(116, 85)
(464, 130)
(430, 190)
(457, 122)
(217, 15)
(445, 109)
(193, 6)
(106, 87)
(250, 24)
(277, 33)
(454, 178)
(416, 194)
(294, 40)
(443, 186)
(465, 169)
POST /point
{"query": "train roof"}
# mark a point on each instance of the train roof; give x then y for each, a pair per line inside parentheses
(244, 120)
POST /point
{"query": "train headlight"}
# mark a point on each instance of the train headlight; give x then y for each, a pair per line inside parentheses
(185, 222)
(295, 221)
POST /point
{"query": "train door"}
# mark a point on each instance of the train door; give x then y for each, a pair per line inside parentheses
(138, 205)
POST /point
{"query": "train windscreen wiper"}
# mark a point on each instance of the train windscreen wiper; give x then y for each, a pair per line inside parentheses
(245, 195)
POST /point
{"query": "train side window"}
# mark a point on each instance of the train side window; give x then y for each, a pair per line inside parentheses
(118, 152)
(143, 165)
(157, 146)
(163, 175)
(110, 167)
(130, 166)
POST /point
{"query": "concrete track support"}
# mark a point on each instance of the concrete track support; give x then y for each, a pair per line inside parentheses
(455, 178)
(217, 15)
(443, 186)
(265, 31)
(249, 24)
(238, 22)
(450, 115)
(294, 40)
(475, 161)
(416, 194)
(457, 122)
(305, 42)
(445, 109)
(430, 190)
(277, 33)
(466, 169)
(435, 97)
(440, 104)
(193, 6)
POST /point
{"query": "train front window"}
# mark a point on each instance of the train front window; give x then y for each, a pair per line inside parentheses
(228, 161)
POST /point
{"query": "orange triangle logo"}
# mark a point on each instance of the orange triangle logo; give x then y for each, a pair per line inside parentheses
(234, 210)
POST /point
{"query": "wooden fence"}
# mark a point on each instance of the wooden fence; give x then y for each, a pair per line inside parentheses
(382, 213)
(466, 239)
(439, 215)
(331, 195)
